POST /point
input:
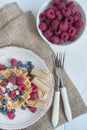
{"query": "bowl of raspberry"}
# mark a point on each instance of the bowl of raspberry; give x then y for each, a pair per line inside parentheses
(61, 22)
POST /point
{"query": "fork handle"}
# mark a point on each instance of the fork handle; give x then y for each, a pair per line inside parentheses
(66, 104)
(55, 111)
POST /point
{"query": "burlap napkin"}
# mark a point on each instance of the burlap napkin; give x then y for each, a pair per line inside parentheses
(19, 29)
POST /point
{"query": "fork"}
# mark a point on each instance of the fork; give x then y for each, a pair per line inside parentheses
(58, 67)
(58, 62)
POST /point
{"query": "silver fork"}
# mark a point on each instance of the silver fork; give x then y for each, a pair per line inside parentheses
(58, 67)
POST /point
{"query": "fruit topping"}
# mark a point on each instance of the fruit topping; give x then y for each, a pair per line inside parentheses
(21, 87)
(14, 62)
(12, 80)
(33, 109)
(19, 80)
(12, 94)
(11, 115)
(2, 67)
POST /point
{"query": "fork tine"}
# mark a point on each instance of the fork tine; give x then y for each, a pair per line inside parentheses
(59, 59)
(63, 60)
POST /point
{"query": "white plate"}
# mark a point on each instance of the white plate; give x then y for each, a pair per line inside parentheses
(24, 118)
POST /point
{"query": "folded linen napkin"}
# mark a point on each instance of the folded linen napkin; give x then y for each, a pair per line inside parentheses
(19, 29)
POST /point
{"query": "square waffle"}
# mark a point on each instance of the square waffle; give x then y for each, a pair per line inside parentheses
(10, 103)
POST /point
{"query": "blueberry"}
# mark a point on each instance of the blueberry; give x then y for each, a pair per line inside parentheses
(22, 93)
(28, 67)
(22, 65)
(19, 67)
(15, 99)
(32, 66)
(25, 65)
(6, 80)
(12, 67)
(24, 107)
(7, 67)
(13, 110)
(4, 102)
(29, 63)
(21, 99)
(2, 77)
(7, 90)
(19, 96)
(0, 109)
(4, 110)
(13, 74)
(20, 62)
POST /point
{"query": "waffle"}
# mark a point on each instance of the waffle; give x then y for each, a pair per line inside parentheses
(10, 103)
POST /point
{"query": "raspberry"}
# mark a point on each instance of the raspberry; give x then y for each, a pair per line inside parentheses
(65, 36)
(42, 16)
(11, 115)
(14, 62)
(13, 80)
(54, 24)
(33, 96)
(21, 87)
(71, 4)
(61, 41)
(77, 16)
(57, 32)
(78, 30)
(48, 22)
(2, 67)
(34, 89)
(61, 5)
(1, 92)
(73, 38)
(63, 26)
(19, 80)
(55, 3)
(69, 20)
(48, 33)
(12, 94)
(66, 12)
(54, 39)
(4, 84)
(50, 13)
(69, 26)
(58, 15)
(33, 109)
(72, 31)
(72, 7)
(42, 26)
(79, 24)
(51, 29)
(65, 1)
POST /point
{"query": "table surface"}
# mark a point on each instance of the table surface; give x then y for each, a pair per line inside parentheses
(75, 57)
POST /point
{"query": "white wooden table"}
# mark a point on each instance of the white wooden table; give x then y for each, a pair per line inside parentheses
(76, 62)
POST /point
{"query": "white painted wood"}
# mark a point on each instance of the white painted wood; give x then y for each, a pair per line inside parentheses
(79, 123)
(76, 61)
